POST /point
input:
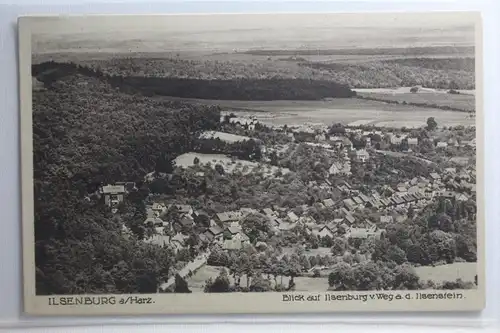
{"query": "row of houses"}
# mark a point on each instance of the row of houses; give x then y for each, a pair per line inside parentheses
(244, 122)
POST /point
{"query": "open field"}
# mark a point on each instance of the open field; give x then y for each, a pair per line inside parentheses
(197, 281)
(227, 137)
(438, 274)
(341, 110)
(460, 270)
(406, 90)
(456, 101)
(186, 160)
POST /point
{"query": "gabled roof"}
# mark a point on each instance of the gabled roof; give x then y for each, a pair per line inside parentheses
(357, 200)
(409, 198)
(203, 238)
(386, 219)
(286, 226)
(292, 216)
(153, 220)
(247, 211)
(179, 238)
(320, 228)
(229, 216)
(435, 175)
(183, 208)
(349, 218)
(364, 197)
(215, 230)
(396, 200)
(328, 202)
(200, 213)
(345, 211)
(234, 230)
(186, 222)
(417, 196)
(268, 211)
(113, 189)
(232, 244)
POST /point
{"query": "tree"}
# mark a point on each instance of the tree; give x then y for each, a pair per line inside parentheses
(336, 129)
(431, 124)
(327, 241)
(405, 278)
(160, 186)
(220, 285)
(341, 277)
(259, 284)
(181, 285)
(466, 248)
(396, 254)
(164, 164)
(339, 246)
(220, 169)
(441, 246)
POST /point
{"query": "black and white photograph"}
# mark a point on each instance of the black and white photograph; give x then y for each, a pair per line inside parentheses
(252, 153)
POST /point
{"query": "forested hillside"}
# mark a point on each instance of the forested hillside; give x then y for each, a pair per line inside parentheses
(428, 72)
(86, 133)
(230, 88)
(452, 72)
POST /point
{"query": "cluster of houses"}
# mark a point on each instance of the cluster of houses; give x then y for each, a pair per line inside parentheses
(389, 139)
(223, 228)
(393, 202)
(346, 226)
(243, 122)
(114, 194)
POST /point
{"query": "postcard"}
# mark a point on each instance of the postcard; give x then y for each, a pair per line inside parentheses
(252, 163)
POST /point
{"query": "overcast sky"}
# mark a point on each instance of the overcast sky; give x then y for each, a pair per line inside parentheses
(225, 32)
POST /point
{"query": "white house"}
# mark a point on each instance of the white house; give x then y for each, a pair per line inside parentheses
(442, 145)
(322, 231)
(113, 194)
(292, 217)
(396, 140)
(237, 233)
(412, 142)
(361, 156)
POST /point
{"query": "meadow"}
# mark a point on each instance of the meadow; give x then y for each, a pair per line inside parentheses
(303, 283)
(345, 111)
(438, 274)
(450, 272)
(465, 102)
(230, 165)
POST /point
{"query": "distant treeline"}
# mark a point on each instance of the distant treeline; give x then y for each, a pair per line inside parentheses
(449, 73)
(411, 51)
(232, 89)
(459, 64)
(417, 104)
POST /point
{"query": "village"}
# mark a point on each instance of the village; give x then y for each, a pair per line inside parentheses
(355, 214)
